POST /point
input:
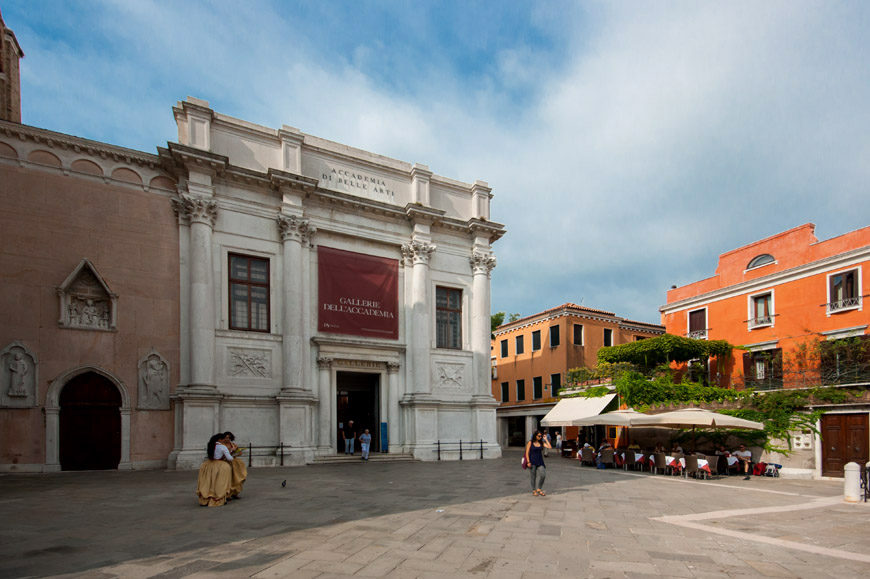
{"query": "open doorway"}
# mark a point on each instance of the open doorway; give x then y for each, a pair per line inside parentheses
(359, 400)
(90, 424)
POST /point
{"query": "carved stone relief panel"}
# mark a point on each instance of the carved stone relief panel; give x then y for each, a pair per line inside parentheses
(249, 363)
(449, 376)
(154, 382)
(85, 300)
(18, 377)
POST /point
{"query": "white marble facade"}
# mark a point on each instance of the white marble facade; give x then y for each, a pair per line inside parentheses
(278, 195)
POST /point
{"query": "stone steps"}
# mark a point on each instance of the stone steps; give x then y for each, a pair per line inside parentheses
(373, 457)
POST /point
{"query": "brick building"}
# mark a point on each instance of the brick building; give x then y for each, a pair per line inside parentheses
(531, 357)
(796, 304)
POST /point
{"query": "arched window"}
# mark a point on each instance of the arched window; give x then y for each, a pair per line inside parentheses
(760, 260)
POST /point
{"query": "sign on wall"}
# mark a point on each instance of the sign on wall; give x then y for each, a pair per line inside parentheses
(358, 293)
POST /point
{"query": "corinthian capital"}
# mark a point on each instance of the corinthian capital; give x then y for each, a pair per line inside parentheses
(294, 228)
(192, 209)
(417, 251)
(482, 262)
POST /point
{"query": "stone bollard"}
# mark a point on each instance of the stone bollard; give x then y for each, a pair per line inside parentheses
(851, 482)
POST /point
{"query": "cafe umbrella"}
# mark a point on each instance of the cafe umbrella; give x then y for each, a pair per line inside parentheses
(693, 418)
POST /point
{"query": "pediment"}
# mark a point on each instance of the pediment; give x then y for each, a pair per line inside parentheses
(86, 301)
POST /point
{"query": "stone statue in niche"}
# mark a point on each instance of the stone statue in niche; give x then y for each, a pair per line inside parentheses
(19, 371)
(17, 377)
(86, 301)
(153, 382)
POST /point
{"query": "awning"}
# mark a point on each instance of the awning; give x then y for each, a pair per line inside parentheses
(567, 410)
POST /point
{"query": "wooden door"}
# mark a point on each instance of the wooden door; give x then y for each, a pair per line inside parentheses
(844, 440)
(90, 424)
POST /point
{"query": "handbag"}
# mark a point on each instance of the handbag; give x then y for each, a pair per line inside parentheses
(524, 463)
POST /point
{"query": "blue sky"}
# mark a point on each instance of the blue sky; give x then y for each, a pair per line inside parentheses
(628, 144)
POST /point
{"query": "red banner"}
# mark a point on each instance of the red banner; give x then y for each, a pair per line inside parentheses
(358, 294)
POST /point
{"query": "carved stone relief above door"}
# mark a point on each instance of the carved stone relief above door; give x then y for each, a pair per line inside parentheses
(86, 302)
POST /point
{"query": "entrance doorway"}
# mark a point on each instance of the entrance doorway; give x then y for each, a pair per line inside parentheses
(90, 424)
(359, 400)
(844, 439)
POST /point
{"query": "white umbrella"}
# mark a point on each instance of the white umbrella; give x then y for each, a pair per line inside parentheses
(692, 417)
(615, 418)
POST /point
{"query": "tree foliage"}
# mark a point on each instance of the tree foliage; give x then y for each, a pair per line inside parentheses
(652, 352)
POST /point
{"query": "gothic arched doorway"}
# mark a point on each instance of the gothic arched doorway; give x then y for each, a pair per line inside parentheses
(90, 423)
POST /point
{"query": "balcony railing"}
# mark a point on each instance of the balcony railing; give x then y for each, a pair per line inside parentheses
(760, 321)
(698, 334)
(844, 303)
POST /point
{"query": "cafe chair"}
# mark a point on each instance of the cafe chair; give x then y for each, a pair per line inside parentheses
(629, 460)
(691, 465)
(606, 457)
(588, 457)
(659, 463)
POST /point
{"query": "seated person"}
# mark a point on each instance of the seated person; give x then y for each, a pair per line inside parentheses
(744, 458)
(659, 447)
(240, 471)
(676, 448)
(215, 474)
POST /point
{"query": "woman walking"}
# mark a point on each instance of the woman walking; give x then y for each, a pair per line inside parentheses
(535, 459)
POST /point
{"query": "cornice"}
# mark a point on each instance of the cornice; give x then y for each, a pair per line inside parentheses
(63, 141)
(847, 258)
(490, 228)
(280, 179)
(420, 213)
(185, 156)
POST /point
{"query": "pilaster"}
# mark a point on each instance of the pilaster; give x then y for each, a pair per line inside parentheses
(418, 252)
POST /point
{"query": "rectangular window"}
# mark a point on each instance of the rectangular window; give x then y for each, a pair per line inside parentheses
(537, 387)
(608, 337)
(554, 336)
(521, 389)
(555, 384)
(762, 310)
(763, 370)
(448, 318)
(578, 334)
(698, 324)
(504, 349)
(249, 293)
(520, 346)
(843, 291)
(845, 361)
(505, 391)
(536, 340)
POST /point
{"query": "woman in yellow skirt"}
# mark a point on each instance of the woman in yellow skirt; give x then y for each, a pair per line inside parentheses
(215, 474)
(240, 471)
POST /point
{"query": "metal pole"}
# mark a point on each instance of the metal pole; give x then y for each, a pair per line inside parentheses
(439, 450)
(282, 454)
(250, 453)
(481, 449)
(460, 450)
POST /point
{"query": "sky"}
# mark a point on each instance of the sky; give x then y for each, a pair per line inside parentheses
(628, 144)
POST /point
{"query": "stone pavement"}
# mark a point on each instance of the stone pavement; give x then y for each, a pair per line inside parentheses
(469, 519)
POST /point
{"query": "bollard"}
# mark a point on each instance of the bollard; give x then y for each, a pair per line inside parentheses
(851, 482)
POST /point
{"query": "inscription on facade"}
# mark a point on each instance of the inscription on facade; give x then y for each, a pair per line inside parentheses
(357, 183)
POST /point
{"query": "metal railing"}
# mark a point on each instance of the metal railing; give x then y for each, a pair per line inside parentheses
(865, 482)
(270, 451)
(698, 334)
(452, 446)
(844, 303)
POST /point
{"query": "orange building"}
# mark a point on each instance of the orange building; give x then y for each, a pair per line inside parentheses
(791, 301)
(531, 357)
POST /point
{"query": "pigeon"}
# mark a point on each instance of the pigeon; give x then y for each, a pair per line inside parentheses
(284, 483)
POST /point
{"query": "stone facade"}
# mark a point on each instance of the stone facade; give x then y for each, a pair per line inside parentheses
(276, 196)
